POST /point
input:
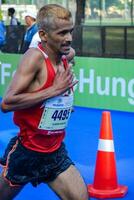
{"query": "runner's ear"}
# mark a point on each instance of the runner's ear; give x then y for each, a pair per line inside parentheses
(43, 35)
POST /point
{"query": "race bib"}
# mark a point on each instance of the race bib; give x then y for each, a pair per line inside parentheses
(56, 113)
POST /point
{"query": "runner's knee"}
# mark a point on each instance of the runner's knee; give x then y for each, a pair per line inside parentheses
(83, 195)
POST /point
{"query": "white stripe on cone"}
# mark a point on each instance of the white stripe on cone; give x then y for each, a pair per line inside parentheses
(106, 145)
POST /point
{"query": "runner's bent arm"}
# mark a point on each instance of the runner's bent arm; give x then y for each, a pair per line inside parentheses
(18, 97)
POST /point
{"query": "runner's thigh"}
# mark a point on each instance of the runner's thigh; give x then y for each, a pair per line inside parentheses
(69, 185)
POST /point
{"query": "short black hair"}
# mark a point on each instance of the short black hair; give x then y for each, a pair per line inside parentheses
(11, 10)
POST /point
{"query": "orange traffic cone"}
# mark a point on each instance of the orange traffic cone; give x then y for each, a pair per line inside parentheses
(105, 183)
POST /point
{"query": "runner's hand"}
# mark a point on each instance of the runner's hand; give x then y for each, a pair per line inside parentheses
(64, 80)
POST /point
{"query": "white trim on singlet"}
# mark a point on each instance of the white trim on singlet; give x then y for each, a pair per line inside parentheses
(45, 55)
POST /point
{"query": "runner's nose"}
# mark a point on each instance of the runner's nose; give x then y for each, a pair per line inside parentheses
(68, 37)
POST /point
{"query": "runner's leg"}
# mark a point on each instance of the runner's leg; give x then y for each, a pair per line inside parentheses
(8, 192)
(69, 185)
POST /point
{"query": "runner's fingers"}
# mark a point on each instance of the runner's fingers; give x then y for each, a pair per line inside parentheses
(70, 78)
(68, 70)
(73, 83)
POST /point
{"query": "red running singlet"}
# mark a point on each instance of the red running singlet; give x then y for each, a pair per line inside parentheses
(28, 121)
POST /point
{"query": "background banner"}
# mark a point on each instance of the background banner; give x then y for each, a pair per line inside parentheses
(8, 65)
(103, 83)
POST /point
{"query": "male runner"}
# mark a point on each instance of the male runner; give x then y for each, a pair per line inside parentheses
(41, 96)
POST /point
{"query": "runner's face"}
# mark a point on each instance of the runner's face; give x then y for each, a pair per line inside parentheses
(59, 39)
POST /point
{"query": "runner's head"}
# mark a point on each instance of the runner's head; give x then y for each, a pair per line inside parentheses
(55, 28)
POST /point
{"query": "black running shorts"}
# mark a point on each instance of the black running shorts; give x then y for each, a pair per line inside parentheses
(24, 165)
